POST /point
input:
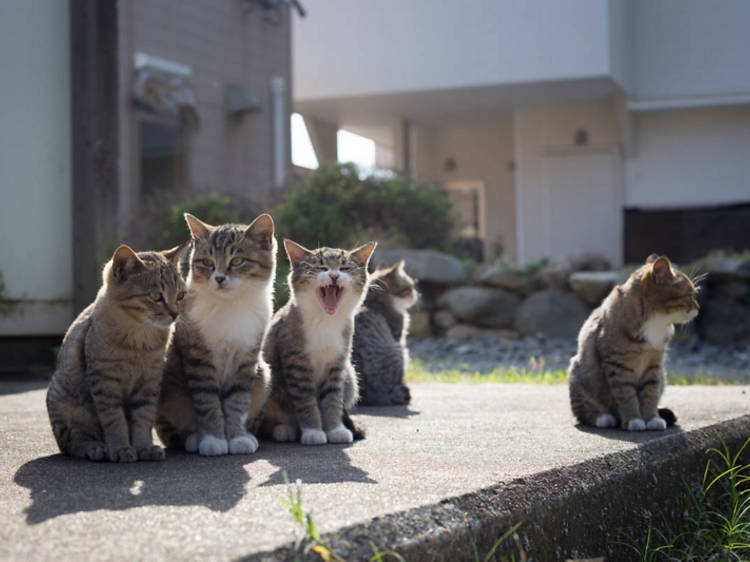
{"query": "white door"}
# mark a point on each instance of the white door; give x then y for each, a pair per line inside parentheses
(582, 205)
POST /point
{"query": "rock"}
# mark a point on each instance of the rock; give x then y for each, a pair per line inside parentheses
(554, 313)
(481, 306)
(723, 269)
(419, 324)
(426, 265)
(593, 286)
(733, 289)
(444, 319)
(724, 320)
(590, 262)
(468, 331)
(508, 278)
(554, 275)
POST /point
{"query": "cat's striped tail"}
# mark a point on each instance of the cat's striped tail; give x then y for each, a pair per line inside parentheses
(357, 432)
(668, 416)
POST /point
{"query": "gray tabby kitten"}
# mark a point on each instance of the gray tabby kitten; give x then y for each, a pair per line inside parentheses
(309, 346)
(617, 376)
(379, 354)
(103, 394)
(215, 382)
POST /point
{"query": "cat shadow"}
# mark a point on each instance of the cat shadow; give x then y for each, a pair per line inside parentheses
(639, 437)
(323, 464)
(60, 484)
(403, 411)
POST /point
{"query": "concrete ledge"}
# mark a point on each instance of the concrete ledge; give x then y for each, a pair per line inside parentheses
(463, 462)
(571, 512)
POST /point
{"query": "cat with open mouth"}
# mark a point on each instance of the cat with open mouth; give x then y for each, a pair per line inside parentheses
(313, 383)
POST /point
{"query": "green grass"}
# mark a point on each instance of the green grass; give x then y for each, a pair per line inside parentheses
(716, 521)
(537, 374)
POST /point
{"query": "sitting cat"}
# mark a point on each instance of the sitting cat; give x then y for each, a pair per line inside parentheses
(379, 353)
(215, 382)
(617, 375)
(309, 346)
(103, 394)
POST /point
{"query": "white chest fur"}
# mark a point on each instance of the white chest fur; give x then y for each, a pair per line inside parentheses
(658, 330)
(231, 327)
(324, 334)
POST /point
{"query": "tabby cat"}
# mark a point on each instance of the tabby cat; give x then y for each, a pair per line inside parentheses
(215, 382)
(379, 354)
(103, 395)
(309, 346)
(617, 375)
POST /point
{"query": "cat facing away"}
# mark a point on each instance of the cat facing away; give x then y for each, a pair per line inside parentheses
(309, 346)
(379, 353)
(215, 381)
(617, 375)
(103, 395)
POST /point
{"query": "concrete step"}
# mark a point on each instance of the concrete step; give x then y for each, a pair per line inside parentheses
(463, 463)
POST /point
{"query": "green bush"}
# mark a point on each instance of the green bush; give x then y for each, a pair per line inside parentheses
(336, 208)
(210, 208)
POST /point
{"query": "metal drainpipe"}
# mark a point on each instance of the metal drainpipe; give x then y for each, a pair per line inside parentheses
(278, 125)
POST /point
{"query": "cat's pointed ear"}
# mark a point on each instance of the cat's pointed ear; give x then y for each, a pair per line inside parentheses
(661, 269)
(261, 230)
(295, 251)
(199, 230)
(175, 254)
(125, 263)
(652, 258)
(362, 254)
(397, 267)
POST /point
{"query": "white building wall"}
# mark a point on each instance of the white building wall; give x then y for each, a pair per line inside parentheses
(545, 149)
(689, 157)
(686, 48)
(483, 152)
(361, 47)
(35, 175)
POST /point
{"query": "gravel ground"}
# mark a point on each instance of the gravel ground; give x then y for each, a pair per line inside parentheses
(485, 354)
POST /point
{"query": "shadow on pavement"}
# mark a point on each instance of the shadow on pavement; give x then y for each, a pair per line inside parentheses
(323, 464)
(12, 385)
(386, 411)
(60, 484)
(639, 437)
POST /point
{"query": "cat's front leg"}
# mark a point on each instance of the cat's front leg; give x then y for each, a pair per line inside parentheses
(106, 393)
(649, 393)
(204, 391)
(235, 403)
(626, 398)
(142, 405)
(331, 398)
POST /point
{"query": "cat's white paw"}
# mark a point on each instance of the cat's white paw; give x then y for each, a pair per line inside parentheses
(312, 436)
(243, 445)
(339, 434)
(283, 432)
(211, 446)
(192, 442)
(656, 424)
(605, 420)
(636, 424)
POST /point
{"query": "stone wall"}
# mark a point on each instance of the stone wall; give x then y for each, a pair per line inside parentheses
(554, 299)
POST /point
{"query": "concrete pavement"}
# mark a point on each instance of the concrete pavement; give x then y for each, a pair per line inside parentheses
(456, 447)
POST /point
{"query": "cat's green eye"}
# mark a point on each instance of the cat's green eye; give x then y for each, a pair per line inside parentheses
(180, 295)
(345, 268)
(236, 262)
(322, 268)
(156, 297)
(207, 263)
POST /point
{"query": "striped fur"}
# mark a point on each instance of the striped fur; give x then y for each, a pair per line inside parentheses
(309, 347)
(617, 376)
(215, 382)
(103, 395)
(379, 353)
